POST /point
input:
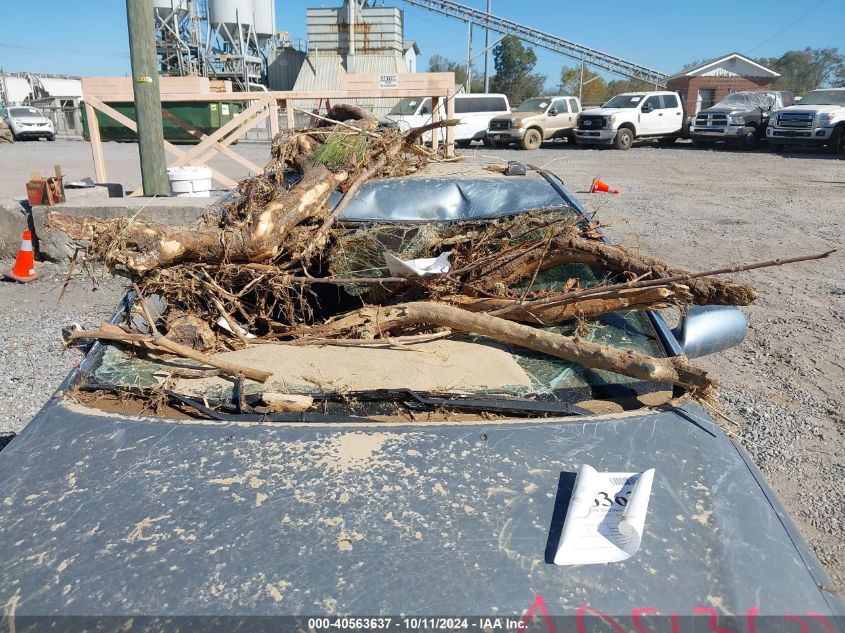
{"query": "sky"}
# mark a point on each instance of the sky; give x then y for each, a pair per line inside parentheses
(88, 37)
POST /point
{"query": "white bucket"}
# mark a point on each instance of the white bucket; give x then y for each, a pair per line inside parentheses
(191, 181)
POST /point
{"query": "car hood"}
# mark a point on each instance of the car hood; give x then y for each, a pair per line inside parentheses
(811, 109)
(608, 111)
(518, 116)
(109, 515)
(725, 110)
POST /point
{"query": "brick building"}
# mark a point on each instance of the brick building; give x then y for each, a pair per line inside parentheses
(709, 82)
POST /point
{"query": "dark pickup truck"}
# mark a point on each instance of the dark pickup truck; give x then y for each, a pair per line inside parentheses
(739, 118)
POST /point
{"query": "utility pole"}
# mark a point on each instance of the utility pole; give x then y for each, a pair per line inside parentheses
(469, 58)
(581, 83)
(487, 51)
(142, 49)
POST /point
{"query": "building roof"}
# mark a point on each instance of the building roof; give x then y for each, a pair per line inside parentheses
(406, 44)
(60, 87)
(712, 66)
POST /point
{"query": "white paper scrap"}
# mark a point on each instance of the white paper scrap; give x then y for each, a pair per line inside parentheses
(224, 323)
(606, 517)
(418, 267)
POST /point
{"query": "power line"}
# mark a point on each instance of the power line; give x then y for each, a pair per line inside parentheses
(70, 51)
(789, 26)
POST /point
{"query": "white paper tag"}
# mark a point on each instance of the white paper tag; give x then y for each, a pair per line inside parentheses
(606, 517)
(417, 267)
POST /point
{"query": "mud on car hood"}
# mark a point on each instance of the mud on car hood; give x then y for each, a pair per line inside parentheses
(102, 514)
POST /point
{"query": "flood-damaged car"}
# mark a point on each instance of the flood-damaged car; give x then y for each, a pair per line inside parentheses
(432, 479)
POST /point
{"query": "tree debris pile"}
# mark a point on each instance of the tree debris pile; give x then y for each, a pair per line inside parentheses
(278, 264)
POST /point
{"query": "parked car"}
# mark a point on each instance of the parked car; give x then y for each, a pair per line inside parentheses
(205, 510)
(740, 118)
(632, 116)
(818, 120)
(534, 121)
(28, 122)
(473, 110)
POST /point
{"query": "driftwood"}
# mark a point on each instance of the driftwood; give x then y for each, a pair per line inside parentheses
(594, 305)
(163, 344)
(377, 320)
(142, 247)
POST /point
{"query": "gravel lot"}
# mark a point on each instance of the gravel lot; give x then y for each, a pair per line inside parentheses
(698, 209)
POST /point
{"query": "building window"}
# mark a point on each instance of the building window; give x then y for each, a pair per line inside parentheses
(706, 99)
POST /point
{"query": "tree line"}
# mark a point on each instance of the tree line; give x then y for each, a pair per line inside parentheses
(800, 71)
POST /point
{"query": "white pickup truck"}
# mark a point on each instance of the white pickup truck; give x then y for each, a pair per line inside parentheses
(631, 116)
(818, 120)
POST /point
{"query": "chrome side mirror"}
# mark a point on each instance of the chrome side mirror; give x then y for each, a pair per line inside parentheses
(706, 330)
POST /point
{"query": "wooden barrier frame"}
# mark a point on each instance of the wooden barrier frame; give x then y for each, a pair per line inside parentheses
(98, 92)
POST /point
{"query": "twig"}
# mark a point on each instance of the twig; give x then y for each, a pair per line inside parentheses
(139, 298)
(165, 344)
(342, 205)
(344, 124)
(650, 283)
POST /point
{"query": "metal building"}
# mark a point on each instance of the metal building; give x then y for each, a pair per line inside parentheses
(353, 38)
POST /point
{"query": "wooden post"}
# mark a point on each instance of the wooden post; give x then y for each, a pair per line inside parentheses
(273, 113)
(435, 117)
(290, 113)
(450, 131)
(96, 143)
(142, 50)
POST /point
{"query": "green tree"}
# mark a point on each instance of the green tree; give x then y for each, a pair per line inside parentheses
(514, 64)
(440, 64)
(595, 91)
(811, 68)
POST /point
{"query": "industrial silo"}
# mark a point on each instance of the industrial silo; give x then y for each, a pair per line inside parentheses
(170, 9)
(229, 14)
(264, 16)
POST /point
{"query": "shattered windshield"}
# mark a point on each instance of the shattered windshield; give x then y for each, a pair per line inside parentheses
(824, 97)
(534, 105)
(624, 101)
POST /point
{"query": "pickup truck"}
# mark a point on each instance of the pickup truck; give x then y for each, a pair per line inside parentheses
(740, 118)
(632, 116)
(818, 120)
(534, 121)
(436, 486)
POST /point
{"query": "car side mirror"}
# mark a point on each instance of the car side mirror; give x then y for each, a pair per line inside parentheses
(646, 108)
(425, 110)
(706, 330)
(552, 112)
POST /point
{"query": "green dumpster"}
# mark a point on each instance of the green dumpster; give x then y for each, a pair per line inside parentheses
(204, 116)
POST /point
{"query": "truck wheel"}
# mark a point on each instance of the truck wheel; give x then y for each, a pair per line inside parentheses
(532, 140)
(748, 140)
(837, 142)
(624, 139)
(51, 137)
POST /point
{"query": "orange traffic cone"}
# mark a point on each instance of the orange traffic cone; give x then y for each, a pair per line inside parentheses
(600, 186)
(24, 269)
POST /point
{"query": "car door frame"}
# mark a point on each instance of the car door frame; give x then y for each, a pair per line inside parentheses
(554, 124)
(649, 123)
(673, 116)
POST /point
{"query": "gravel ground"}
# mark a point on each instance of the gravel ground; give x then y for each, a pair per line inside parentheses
(698, 209)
